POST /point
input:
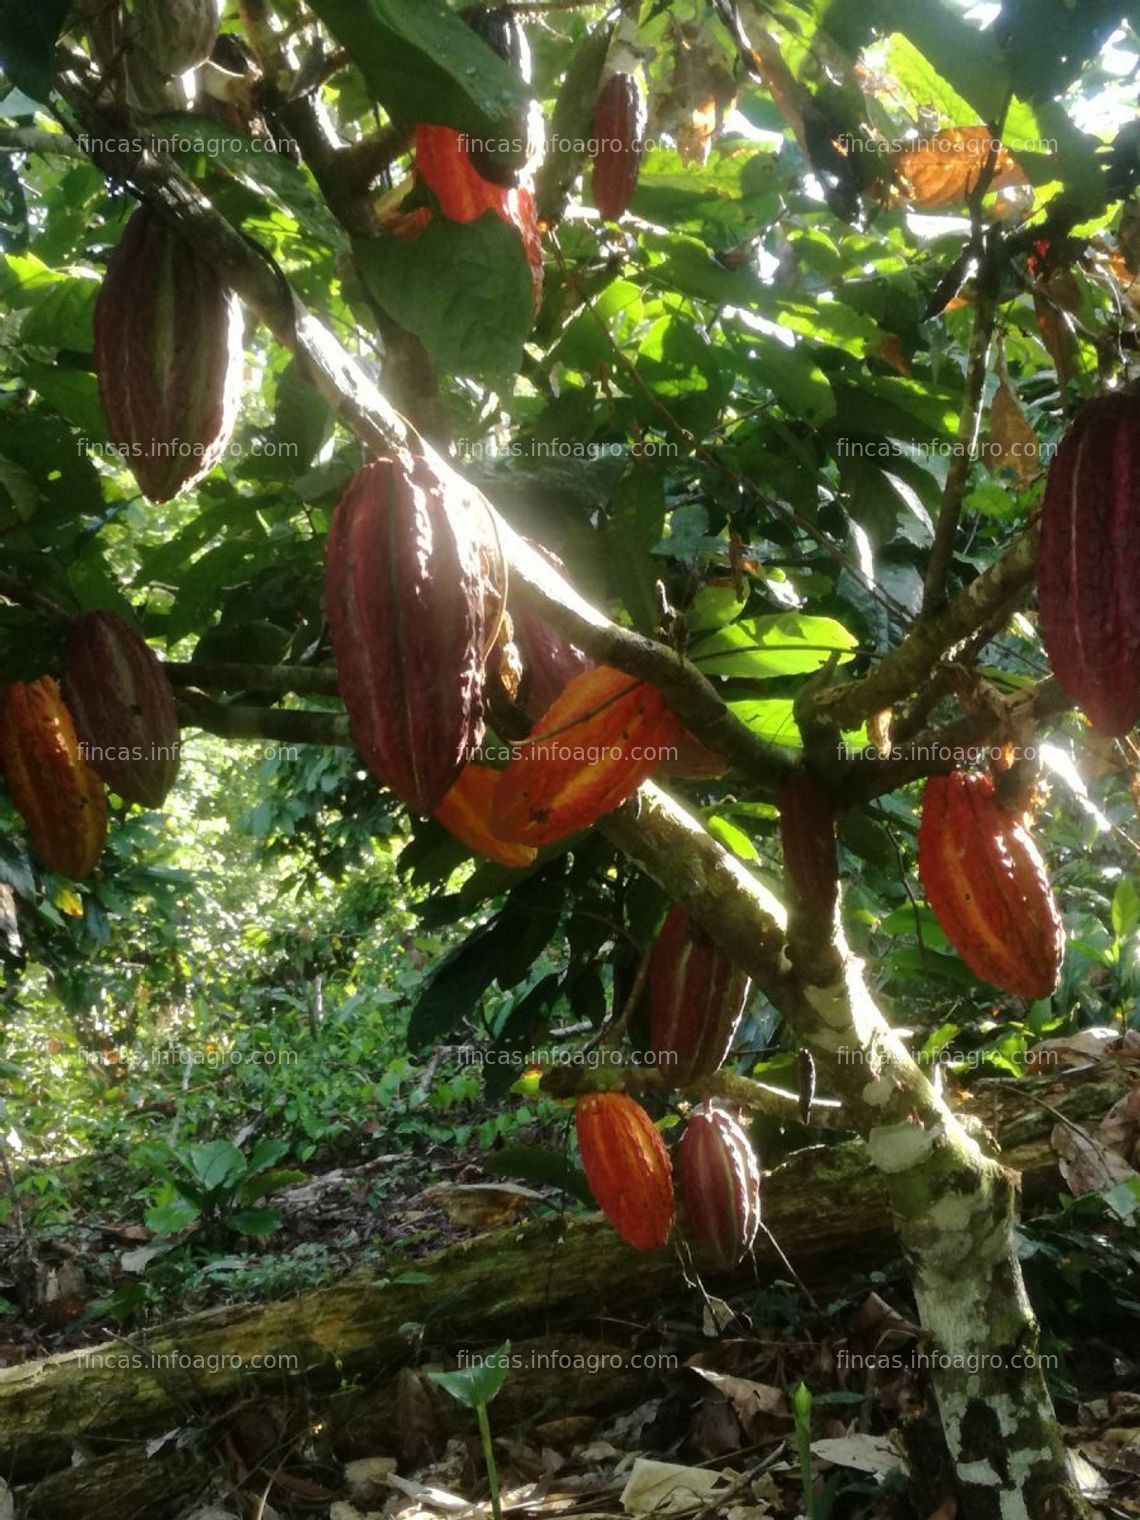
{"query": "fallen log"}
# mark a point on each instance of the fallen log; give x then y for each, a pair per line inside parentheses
(825, 1206)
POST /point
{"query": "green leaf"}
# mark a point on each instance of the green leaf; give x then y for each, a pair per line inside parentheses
(301, 418)
(793, 377)
(28, 35)
(535, 1164)
(171, 1218)
(735, 839)
(216, 1164)
(416, 51)
(63, 316)
(256, 1222)
(637, 520)
(464, 289)
(1125, 908)
(782, 644)
(476, 1386)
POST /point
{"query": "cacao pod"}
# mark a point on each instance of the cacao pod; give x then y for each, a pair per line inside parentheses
(696, 999)
(52, 787)
(123, 708)
(627, 1167)
(1089, 563)
(445, 167)
(549, 662)
(619, 124)
(586, 754)
(465, 812)
(175, 35)
(987, 886)
(718, 1180)
(498, 26)
(168, 356)
(807, 838)
(404, 595)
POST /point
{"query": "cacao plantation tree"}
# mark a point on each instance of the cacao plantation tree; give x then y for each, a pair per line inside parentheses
(667, 443)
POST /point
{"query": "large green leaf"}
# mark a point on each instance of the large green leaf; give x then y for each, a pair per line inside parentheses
(782, 644)
(28, 34)
(464, 289)
(418, 57)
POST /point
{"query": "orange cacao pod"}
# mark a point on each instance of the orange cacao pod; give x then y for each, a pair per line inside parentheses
(986, 884)
(696, 999)
(588, 752)
(718, 1180)
(168, 356)
(807, 838)
(627, 1167)
(445, 167)
(619, 122)
(1089, 563)
(52, 787)
(465, 812)
(122, 706)
(404, 595)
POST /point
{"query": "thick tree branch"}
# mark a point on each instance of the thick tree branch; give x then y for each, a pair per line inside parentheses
(275, 725)
(276, 680)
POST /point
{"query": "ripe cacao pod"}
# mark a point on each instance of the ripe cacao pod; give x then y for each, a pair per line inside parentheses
(168, 356)
(404, 595)
(445, 167)
(718, 1180)
(696, 999)
(987, 886)
(55, 791)
(549, 662)
(627, 1167)
(123, 708)
(1089, 563)
(175, 35)
(466, 810)
(807, 838)
(586, 754)
(619, 124)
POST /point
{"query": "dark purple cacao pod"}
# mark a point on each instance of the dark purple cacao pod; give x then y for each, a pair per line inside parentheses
(168, 356)
(118, 695)
(549, 662)
(807, 838)
(404, 595)
(696, 998)
(619, 125)
(1089, 563)
(718, 1182)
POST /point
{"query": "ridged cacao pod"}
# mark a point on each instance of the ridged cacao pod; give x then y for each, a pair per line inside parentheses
(588, 752)
(1089, 563)
(404, 595)
(168, 356)
(696, 999)
(466, 811)
(118, 695)
(549, 662)
(807, 838)
(499, 28)
(718, 1180)
(445, 167)
(58, 795)
(175, 35)
(627, 1167)
(987, 886)
(619, 125)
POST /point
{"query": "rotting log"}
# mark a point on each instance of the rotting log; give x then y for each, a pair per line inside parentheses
(823, 1205)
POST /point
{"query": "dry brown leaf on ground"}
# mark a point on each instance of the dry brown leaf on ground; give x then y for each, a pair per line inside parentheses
(1087, 1165)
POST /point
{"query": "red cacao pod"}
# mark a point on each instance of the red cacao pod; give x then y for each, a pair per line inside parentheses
(718, 1180)
(696, 999)
(55, 791)
(404, 595)
(445, 167)
(986, 884)
(627, 1167)
(1089, 563)
(807, 838)
(588, 752)
(175, 35)
(123, 708)
(466, 811)
(168, 356)
(619, 123)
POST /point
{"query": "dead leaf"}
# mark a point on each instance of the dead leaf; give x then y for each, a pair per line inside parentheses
(699, 93)
(1086, 1164)
(1084, 1048)
(1012, 442)
(945, 168)
(759, 1406)
(1058, 337)
(482, 1205)
(890, 350)
(861, 1453)
(1119, 1130)
(665, 1488)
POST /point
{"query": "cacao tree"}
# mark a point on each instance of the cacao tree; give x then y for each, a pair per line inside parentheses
(697, 461)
